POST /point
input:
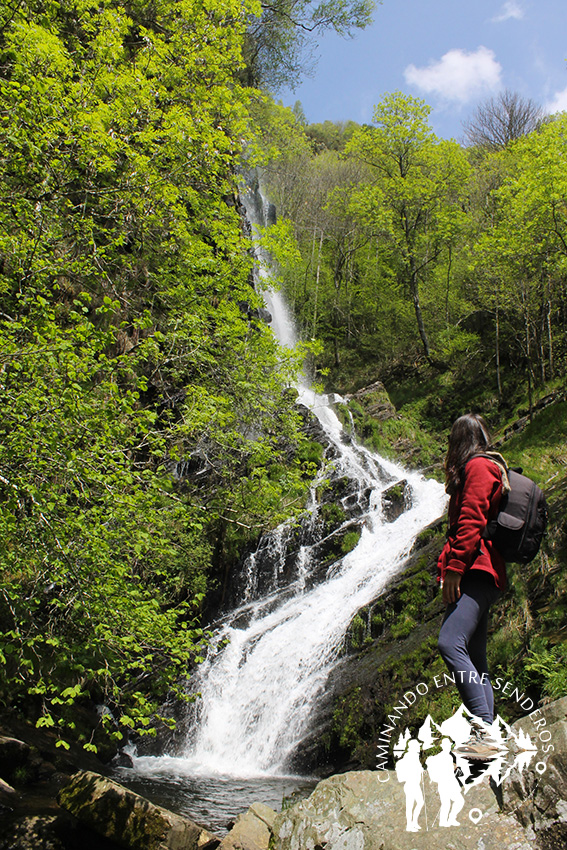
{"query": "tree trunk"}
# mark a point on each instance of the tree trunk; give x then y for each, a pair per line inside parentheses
(448, 286)
(498, 375)
(336, 350)
(528, 353)
(317, 276)
(337, 279)
(414, 291)
(414, 285)
(548, 323)
(542, 331)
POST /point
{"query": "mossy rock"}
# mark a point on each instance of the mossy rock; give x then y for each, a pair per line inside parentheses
(130, 820)
(332, 515)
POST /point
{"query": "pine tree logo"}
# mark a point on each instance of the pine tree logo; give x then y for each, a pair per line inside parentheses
(463, 753)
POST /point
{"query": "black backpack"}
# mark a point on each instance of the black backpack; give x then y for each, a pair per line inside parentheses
(518, 529)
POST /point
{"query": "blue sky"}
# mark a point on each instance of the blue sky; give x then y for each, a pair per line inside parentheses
(451, 53)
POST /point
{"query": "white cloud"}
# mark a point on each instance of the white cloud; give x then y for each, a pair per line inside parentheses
(558, 104)
(511, 9)
(458, 75)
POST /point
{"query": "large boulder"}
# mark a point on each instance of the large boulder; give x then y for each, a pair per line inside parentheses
(375, 400)
(395, 500)
(365, 810)
(13, 754)
(252, 829)
(361, 810)
(128, 819)
(537, 796)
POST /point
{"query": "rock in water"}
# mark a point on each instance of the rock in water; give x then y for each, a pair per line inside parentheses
(395, 500)
(129, 819)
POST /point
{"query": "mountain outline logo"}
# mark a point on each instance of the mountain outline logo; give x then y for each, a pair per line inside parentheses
(450, 769)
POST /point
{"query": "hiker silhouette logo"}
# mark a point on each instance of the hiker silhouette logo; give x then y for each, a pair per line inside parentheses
(454, 766)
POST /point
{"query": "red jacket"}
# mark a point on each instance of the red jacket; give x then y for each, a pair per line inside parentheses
(470, 508)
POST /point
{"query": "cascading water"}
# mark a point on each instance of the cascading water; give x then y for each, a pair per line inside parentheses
(271, 656)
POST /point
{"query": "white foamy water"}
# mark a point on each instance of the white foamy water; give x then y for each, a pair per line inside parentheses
(271, 656)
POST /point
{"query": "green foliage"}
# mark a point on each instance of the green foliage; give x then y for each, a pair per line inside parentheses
(146, 427)
(428, 535)
(438, 270)
(280, 41)
(332, 514)
(541, 449)
(405, 435)
(330, 135)
(349, 541)
(356, 631)
(413, 198)
(88, 594)
(403, 626)
(348, 720)
(275, 135)
(548, 663)
(279, 242)
(412, 598)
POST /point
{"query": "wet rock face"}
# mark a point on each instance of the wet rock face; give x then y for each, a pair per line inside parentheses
(307, 547)
(395, 500)
(312, 428)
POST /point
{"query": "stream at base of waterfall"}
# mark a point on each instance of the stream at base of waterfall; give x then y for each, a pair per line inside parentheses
(271, 655)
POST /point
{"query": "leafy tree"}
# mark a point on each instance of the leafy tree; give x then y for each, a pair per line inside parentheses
(330, 135)
(526, 247)
(299, 113)
(279, 42)
(146, 427)
(412, 233)
(413, 199)
(311, 192)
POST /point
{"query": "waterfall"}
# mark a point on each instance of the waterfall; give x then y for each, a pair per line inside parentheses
(271, 655)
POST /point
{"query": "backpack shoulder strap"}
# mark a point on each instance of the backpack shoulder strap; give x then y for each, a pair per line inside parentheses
(497, 458)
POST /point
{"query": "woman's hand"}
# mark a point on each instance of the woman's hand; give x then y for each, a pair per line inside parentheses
(451, 587)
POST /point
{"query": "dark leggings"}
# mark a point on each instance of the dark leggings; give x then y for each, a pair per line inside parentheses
(462, 642)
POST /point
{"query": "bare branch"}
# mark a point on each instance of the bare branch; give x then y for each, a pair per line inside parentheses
(502, 119)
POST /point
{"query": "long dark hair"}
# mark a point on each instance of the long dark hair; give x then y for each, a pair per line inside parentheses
(469, 435)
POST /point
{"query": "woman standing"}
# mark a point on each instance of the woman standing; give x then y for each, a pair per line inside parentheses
(471, 570)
